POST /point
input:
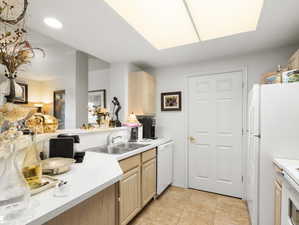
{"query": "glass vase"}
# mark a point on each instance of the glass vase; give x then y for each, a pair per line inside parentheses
(14, 191)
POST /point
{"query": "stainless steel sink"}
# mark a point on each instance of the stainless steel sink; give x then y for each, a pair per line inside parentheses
(118, 149)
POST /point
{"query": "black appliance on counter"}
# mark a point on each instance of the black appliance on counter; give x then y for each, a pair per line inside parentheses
(149, 126)
(65, 146)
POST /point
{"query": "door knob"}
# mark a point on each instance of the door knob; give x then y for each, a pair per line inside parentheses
(192, 139)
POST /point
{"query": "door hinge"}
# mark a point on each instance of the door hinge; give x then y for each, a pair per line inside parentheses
(242, 178)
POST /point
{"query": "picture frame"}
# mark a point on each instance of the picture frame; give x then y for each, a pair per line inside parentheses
(96, 98)
(24, 98)
(171, 101)
(59, 107)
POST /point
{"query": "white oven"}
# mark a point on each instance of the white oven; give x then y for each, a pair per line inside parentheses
(290, 202)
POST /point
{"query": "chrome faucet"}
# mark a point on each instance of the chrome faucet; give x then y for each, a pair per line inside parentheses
(111, 140)
(115, 138)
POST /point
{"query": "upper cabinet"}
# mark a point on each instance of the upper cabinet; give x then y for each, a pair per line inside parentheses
(142, 89)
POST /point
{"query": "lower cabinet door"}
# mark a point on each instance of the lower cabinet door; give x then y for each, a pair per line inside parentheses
(100, 209)
(149, 181)
(277, 204)
(129, 191)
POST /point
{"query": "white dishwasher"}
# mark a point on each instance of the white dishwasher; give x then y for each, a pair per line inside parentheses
(164, 166)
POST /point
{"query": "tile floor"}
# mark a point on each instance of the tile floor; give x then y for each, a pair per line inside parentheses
(179, 206)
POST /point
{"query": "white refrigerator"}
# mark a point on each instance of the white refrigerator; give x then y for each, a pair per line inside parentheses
(273, 132)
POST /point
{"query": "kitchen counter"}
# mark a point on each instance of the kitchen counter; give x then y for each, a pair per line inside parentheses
(97, 172)
(290, 167)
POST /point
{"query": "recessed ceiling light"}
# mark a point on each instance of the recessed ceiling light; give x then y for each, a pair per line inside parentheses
(53, 23)
(215, 19)
(163, 23)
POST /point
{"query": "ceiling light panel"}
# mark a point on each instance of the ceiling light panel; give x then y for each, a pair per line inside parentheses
(215, 19)
(164, 23)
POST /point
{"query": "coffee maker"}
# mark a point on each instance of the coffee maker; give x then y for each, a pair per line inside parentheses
(149, 126)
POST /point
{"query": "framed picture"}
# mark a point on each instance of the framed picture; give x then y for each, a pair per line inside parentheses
(96, 98)
(24, 97)
(171, 101)
(59, 107)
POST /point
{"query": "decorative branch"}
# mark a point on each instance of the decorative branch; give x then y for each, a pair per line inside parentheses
(15, 50)
(12, 21)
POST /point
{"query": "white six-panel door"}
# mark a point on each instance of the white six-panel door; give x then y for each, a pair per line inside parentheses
(215, 132)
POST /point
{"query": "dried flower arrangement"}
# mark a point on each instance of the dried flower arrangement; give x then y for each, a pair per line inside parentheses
(15, 50)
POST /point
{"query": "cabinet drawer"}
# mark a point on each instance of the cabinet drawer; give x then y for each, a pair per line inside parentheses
(148, 155)
(130, 163)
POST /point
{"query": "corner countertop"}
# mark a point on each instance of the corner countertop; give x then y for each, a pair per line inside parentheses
(85, 180)
(290, 167)
(97, 172)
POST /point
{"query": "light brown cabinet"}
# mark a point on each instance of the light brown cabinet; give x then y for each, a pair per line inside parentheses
(277, 202)
(277, 194)
(129, 191)
(101, 207)
(142, 89)
(293, 62)
(148, 181)
(138, 185)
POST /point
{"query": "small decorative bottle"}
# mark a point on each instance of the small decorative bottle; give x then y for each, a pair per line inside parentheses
(32, 169)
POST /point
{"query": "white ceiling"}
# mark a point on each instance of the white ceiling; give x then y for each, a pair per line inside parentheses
(92, 26)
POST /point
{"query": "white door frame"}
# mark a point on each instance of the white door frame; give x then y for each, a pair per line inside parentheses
(243, 70)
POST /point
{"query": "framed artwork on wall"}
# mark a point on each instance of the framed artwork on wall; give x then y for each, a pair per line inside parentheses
(96, 98)
(171, 101)
(59, 107)
(24, 97)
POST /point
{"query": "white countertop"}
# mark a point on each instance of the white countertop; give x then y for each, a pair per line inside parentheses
(290, 167)
(97, 172)
(85, 180)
